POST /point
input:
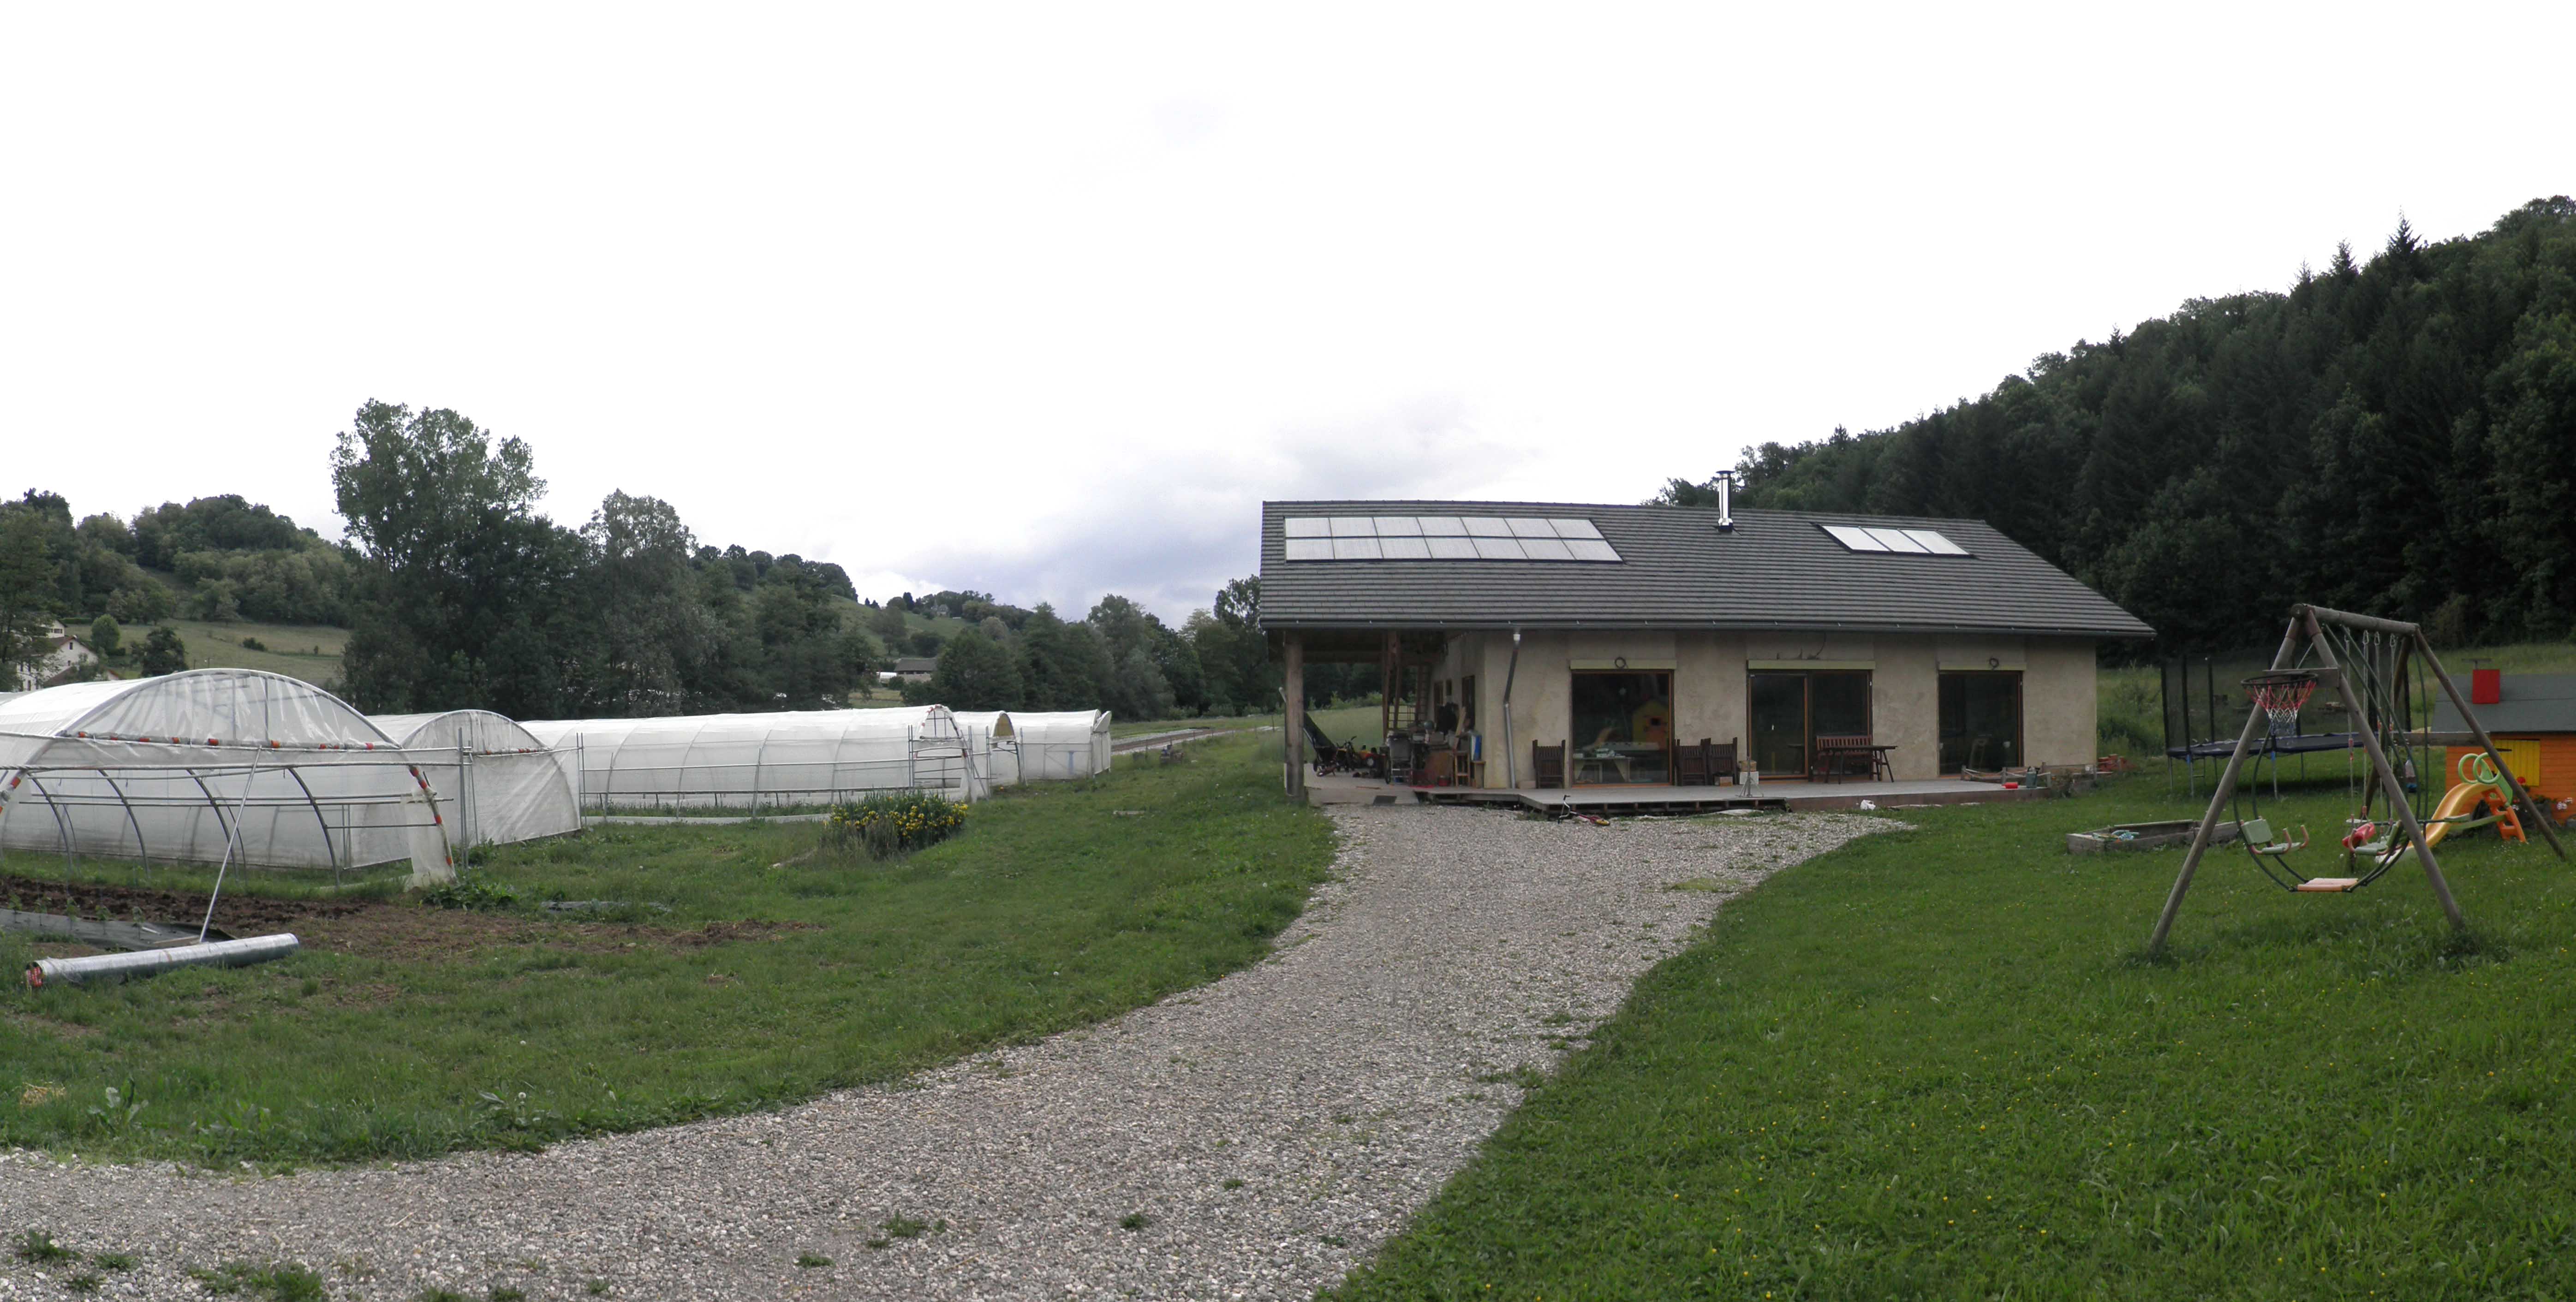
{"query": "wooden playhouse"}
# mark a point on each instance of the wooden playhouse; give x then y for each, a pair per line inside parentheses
(2533, 720)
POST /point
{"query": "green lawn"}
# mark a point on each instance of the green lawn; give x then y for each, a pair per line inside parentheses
(1932, 1064)
(405, 1031)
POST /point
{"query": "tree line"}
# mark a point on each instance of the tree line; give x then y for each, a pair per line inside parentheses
(2396, 437)
(459, 593)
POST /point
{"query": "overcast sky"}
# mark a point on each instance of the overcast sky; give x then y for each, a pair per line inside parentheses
(1045, 301)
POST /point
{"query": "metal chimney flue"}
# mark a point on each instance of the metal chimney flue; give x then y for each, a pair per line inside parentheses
(1725, 503)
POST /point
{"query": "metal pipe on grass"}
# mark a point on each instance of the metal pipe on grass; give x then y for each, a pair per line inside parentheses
(117, 967)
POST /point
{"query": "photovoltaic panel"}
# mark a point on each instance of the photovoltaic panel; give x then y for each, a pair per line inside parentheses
(1444, 538)
(1880, 538)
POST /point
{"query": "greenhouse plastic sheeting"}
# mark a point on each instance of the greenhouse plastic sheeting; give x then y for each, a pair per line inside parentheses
(992, 740)
(1061, 745)
(496, 783)
(200, 765)
(745, 762)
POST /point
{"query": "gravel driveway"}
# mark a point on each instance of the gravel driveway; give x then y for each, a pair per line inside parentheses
(1257, 1137)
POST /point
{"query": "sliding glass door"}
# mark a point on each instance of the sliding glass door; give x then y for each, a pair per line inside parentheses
(1789, 710)
(1980, 721)
(1623, 728)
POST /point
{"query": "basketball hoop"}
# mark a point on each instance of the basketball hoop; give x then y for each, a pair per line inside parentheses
(2280, 693)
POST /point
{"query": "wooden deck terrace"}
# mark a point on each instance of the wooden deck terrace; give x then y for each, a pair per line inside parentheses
(1346, 789)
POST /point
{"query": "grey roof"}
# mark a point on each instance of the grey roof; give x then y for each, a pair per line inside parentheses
(916, 664)
(1777, 570)
(2528, 703)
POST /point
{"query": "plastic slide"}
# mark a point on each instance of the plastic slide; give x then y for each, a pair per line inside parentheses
(2459, 808)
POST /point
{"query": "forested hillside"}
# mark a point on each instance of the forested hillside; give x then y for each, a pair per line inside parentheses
(2396, 437)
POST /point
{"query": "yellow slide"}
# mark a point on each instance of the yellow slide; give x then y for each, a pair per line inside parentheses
(2462, 806)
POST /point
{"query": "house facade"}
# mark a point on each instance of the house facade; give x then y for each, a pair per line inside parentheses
(1596, 641)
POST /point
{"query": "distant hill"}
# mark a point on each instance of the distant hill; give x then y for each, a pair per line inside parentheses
(2396, 437)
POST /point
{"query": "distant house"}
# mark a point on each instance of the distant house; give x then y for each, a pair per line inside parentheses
(1602, 638)
(915, 669)
(65, 659)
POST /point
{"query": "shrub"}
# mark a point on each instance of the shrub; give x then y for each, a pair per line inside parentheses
(476, 892)
(888, 825)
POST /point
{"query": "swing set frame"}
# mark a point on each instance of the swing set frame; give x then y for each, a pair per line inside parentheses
(2307, 628)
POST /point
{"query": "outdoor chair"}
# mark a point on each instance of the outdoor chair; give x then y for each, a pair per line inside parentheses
(1838, 754)
(1690, 765)
(1547, 763)
(1722, 764)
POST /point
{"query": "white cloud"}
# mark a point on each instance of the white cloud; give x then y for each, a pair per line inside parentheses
(1046, 301)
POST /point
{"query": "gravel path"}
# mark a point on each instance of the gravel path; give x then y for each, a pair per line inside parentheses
(1259, 1135)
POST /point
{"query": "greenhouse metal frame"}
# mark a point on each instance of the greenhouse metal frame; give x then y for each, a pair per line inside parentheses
(1060, 745)
(750, 763)
(992, 740)
(222, 766)
(496, 783)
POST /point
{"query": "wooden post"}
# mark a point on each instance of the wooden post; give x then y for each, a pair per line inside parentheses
(2387, 776)
(2217, 796)
(2461, 704)
(1293, 696)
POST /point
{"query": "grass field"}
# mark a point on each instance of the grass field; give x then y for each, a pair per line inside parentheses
(1339, 722)
(725, 982)
(1934, 1064)
(308, 652)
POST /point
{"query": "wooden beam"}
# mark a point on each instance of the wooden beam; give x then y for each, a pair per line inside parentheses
(2372, 623)
(2424, 648)
(1293, 697)
(2217, 802)
(2388, 783)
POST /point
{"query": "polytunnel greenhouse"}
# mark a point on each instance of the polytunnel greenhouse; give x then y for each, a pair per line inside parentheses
(496, 783)
(223, 766)
(992, 742)
(1061, 745)
(745, 763)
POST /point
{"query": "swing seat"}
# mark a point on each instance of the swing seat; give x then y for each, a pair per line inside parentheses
(2325, 885)
(2257, 833)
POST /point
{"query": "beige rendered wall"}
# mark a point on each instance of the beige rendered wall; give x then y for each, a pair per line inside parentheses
(1708, 687)
(2058, 702)
(1905, 704)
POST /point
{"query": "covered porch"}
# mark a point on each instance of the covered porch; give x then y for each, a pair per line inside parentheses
(1352, 789)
